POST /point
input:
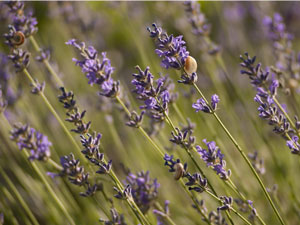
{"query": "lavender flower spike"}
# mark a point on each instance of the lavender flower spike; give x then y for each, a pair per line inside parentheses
(35, 142)
(294, 145)
(213, 157)
(201, 105)
(170, 49)
(143, 189)
(98, 71)
(214, 101)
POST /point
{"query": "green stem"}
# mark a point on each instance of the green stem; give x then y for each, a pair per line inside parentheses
(54, 164)
(46, 62)
(286, 115)
(185, 147)
(235, 189)
(156, 147)
(136, 210)
(231, 208)
(52, 110)
(244, 157)
(195, 202)
(19, 197)
(41, 176)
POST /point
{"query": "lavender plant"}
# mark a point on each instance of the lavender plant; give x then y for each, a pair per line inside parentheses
(77, 174)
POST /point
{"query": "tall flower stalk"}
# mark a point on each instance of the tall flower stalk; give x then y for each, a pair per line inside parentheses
(99, 72)
(91, 144)
(171, 51)
(43, 179)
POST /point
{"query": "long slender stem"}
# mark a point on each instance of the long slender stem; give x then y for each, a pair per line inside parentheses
(160, 151)
(191, 156)
(130, 202)
(244, 157)
(19, 197)
(235, 189)
(46, 62)
(195, 202)
(47, 185)
(137, 211)
(286, 115)
(52, 110)
(185, 147)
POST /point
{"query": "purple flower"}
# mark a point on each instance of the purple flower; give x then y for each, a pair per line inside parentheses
(98, 71)
(25, 23)
(156, 94)
(35, 142)
(170, 49)
(267, 109)
(273, 87)
(21, 20)
(214, 101)
(213, 157)
(294, 145)
(20, 59)
(201, 105)
(144, 190)
(72, 169)
(276, 27)
(227, 203)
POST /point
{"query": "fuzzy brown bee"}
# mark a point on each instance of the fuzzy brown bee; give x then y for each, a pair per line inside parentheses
(179, 171)
(190, 65)
(18, 38)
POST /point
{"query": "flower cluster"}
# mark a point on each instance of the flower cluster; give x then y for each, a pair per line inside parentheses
(265, 97)
(74, 115)
(227, 203)
(213, 157)
(201, 104)
(20, 59)
(44, 55)
(170, 49)
(156, 94)
(135, 119)
(37, 87)
(287, 62)
(91, 151)
(147, 91)
(77, 175)
(72, 169)
(183, 137)
(123, 194)
(35, 142)
(22, 21)
(200, 26)
(195, 181)
(96, 70)
(144, 190)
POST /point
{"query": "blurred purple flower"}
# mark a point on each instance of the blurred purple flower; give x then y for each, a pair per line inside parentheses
(35, 142)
